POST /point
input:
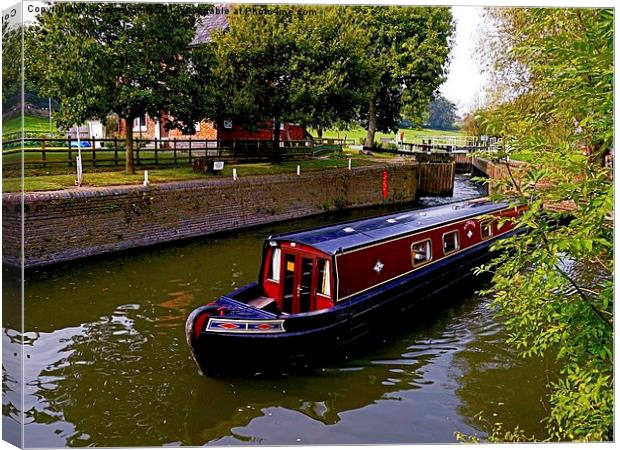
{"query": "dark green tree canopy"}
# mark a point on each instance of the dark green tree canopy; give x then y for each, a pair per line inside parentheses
(306, 66)
(123, 58)
(441, 113)
(409, 47)
(130, 59)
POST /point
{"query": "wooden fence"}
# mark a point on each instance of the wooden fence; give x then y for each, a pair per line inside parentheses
(43, 152)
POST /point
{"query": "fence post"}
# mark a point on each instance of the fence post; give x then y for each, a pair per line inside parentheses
(137, 147)
(92, 143)
(190, 151)
(43, 150)
(70, 152)
(156, 158)
(115, 151)
(175, 151)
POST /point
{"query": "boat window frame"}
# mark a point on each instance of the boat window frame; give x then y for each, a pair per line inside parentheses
(270, 269)
(458, 242)
(484, 224)
(429, 247)
(327, 270)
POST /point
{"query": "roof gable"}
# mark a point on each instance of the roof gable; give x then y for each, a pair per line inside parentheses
(217, 20)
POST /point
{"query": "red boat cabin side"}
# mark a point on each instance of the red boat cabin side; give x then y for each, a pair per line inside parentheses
(301, 278)
(367, 267)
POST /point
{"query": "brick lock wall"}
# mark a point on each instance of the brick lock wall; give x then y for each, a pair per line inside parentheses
(72, 224)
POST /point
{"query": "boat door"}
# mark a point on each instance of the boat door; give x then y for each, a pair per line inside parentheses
(297, 293)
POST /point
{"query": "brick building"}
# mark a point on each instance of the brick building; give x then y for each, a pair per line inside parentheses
(148, 128)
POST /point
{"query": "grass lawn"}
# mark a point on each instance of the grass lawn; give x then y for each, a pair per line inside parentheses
(31, 123)
(64, 181)
(358, 133)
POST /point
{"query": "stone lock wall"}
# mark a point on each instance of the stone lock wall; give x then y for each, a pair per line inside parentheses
(495, 171)
(67, 225)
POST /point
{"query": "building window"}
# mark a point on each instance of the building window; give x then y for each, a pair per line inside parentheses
(197, 126)
(421, 252)
(450, 242)
(139, 123)
(274, 271)
(324, 284)
(486, 229)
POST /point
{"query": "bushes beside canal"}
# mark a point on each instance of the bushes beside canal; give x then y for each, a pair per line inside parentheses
(549, 307)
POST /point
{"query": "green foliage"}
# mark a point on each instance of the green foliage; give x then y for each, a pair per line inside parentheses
(562, 108)
(441, 113)
(123, 58)
(305, 66)
(409, 49)
(11, 69)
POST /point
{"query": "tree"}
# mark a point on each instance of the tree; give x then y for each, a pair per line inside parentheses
(331, 46)
(12, 38)
(555, 103)
(299, 64)
(441, 113)
(124, 58)
(409, 48)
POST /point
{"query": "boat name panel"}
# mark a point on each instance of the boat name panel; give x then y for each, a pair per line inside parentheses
(219, 325)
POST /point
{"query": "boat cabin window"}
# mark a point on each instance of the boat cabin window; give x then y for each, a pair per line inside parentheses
(450, 242)
(323, 285)
(274, 270)
(421, 252)
(486, 229)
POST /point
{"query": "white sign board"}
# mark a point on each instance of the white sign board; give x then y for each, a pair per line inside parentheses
(218, 165)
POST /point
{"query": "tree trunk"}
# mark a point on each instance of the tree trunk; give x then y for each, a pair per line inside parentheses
(277, 155)
(372, 123)
(129, 169)
(319, 133)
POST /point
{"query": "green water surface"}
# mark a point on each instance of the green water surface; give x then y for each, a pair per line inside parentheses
(106, 362)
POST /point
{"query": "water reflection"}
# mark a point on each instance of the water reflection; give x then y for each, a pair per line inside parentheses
(12, 415)
(107, 363)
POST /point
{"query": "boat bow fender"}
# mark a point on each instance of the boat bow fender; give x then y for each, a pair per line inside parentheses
(197, 319)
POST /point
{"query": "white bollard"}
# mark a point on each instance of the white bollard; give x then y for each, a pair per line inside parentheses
(349, 163)
(235, 175)
(80, 174)
(298, 170)
(146, 178)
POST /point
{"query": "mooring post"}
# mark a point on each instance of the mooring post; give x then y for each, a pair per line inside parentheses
(235, 175)
(146, 178)
(298, 170)
(349, 163)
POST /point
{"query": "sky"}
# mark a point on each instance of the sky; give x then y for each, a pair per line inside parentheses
(465, 81)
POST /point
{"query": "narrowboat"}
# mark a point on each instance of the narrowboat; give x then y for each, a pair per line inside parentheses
(323, 288)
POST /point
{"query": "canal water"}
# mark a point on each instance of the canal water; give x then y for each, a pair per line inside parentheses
(106, 362)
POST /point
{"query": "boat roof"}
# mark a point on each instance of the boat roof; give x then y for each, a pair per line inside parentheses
(349, 235)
